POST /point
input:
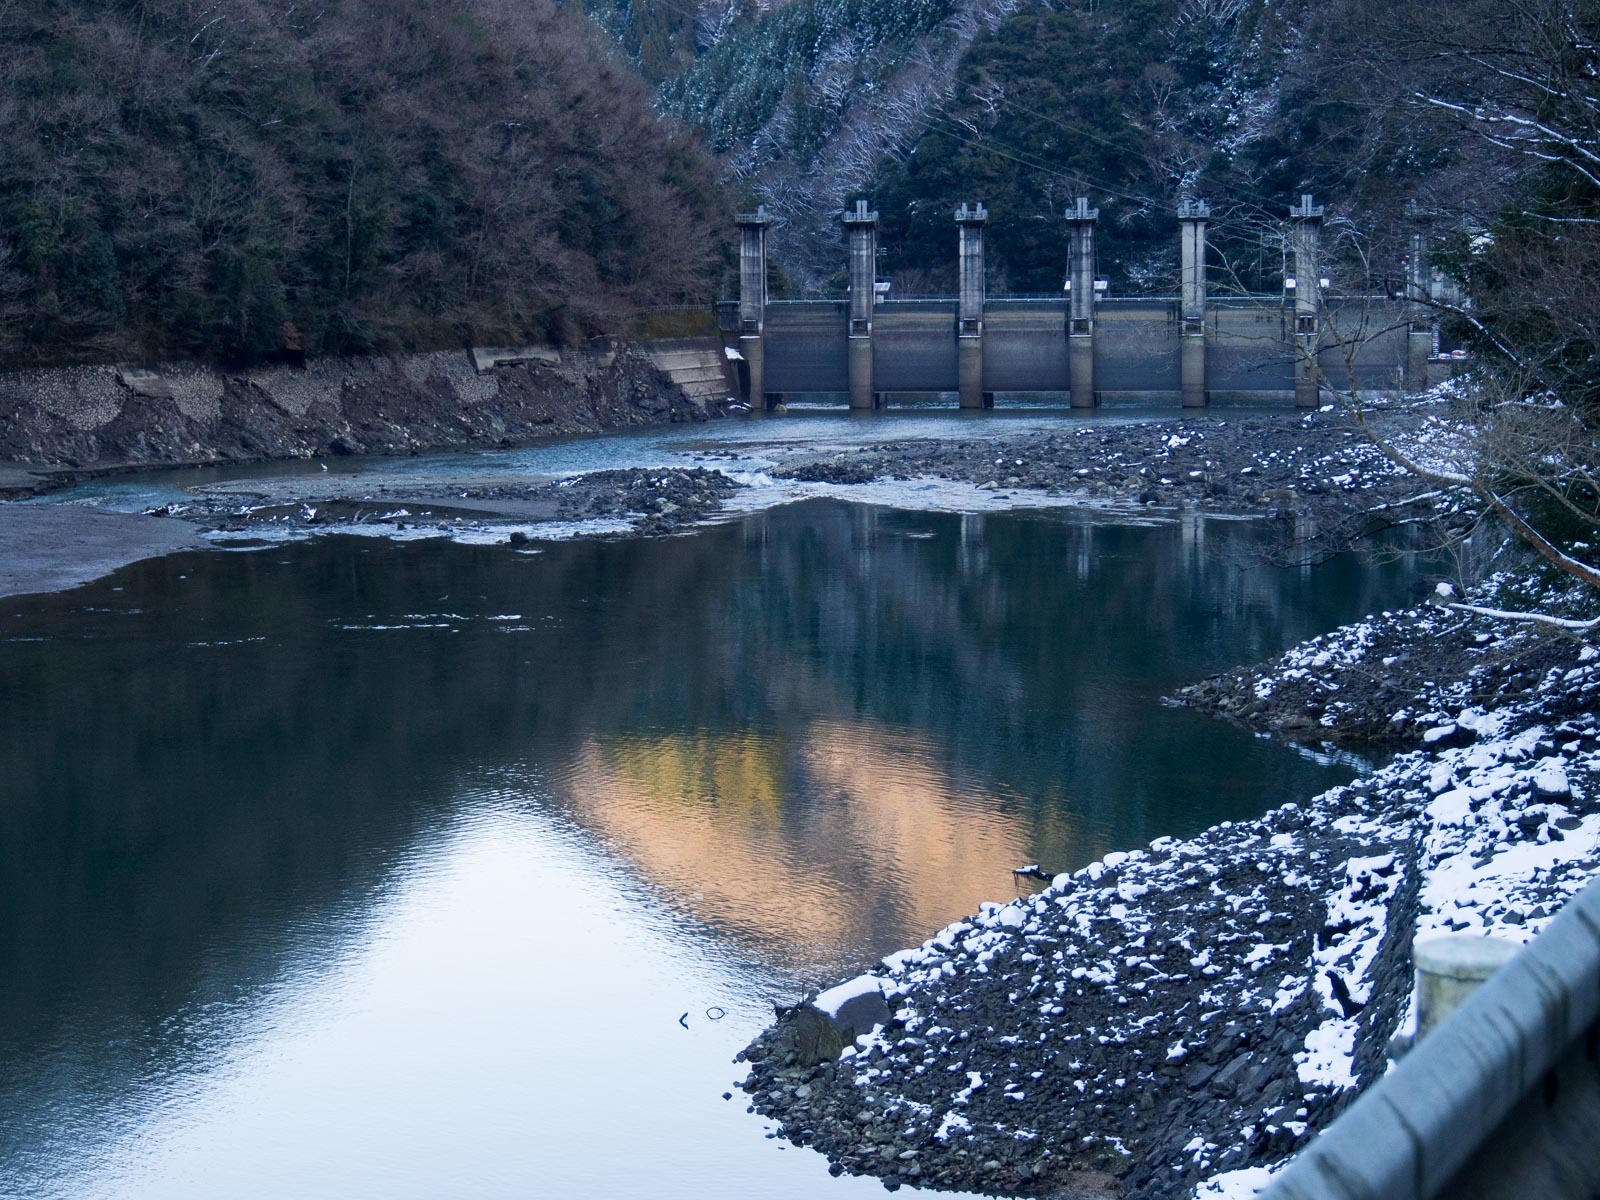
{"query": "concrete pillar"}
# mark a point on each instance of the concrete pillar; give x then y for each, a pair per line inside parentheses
(1419, 341)
(862, 228)
(1451, 968)
(753, 299)
(1306, 240)
(1080, 321)
(1192, 215)
(969, 327)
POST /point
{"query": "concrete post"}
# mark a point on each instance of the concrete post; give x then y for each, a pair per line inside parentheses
(1419, 341)
(753, 299)
(1306, 235)
(1080, 322)
(1449, 969)
(1192, 215)
(862, 228)
(969, 328)
(1501, 1100)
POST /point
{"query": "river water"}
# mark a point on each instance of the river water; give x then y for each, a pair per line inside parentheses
(352, 868)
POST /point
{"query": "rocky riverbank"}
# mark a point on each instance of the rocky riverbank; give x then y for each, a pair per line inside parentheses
(1394, 680)
(1316, 465)
(64, 422)
(1322, 480)
(1179, 1019)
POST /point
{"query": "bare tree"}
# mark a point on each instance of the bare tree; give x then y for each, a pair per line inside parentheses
(1501, 98)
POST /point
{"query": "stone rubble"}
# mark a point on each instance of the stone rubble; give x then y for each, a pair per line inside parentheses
(1263, 464)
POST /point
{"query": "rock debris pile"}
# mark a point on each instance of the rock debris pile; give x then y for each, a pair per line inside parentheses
(1317, 463)
(1395, 679)
(659, 500)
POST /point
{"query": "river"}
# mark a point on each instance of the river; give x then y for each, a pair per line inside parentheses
(358, 868)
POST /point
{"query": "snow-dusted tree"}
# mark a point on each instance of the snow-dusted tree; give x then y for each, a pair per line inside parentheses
(1499, 100)
(1523, 458)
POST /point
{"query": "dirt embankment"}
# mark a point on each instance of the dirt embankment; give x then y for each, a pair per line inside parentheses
(62, 421)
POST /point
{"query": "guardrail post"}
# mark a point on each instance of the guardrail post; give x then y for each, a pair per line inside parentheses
(1449, 969)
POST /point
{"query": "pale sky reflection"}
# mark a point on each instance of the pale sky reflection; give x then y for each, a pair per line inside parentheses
(500, 1011)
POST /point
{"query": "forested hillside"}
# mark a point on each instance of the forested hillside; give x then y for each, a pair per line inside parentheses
(188, 179)
(808, 99)
(1021, 103)
(1133, 104)
(1026, 104)
(1471, 121)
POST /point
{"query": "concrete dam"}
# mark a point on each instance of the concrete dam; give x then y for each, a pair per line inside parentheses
(1299, 345)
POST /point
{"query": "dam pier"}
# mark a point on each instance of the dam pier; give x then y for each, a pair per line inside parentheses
(1090, 347)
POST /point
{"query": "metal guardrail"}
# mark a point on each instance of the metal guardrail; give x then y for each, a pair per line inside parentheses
(1501, 1100)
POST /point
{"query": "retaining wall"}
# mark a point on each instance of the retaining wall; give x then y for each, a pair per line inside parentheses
(95, 416)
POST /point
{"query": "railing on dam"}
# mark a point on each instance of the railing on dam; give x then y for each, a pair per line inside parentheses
(1502, 1100)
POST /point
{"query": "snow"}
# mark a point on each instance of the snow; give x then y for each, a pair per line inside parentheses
(836, 997)
(1237, 1185)
(1329, 1055)
(1542, 618)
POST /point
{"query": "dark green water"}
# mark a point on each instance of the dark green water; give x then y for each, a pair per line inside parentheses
(349, 868)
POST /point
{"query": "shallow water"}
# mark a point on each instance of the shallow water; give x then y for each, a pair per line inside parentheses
(744, 447)
(348, 868)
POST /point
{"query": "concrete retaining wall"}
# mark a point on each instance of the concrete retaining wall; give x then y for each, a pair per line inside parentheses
(95, 416)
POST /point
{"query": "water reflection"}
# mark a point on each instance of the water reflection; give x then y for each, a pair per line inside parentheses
(755, 756)
(812, 843)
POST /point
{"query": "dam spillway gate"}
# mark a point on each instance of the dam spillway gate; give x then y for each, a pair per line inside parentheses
(1292, 345)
